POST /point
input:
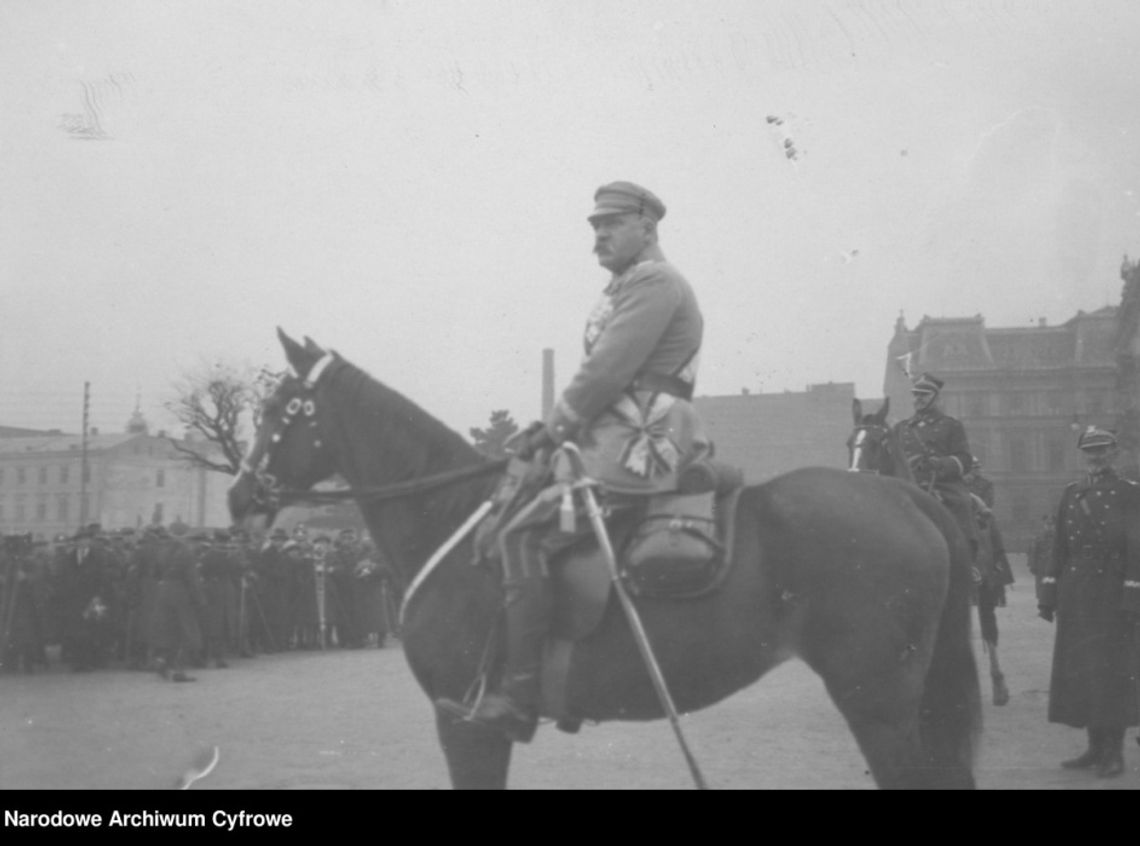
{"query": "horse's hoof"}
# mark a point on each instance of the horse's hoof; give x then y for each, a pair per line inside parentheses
(1110, 767)
(1087, 760)
(1001, 692)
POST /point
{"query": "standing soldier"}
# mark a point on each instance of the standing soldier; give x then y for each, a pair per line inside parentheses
(21, 632)
(344, 557)
(303, 607)
(178, 603)
(1093, 588)
(938, 453)
(142, 586)
(221, 589)
(85, 601)
(273, 622)
(242, 562)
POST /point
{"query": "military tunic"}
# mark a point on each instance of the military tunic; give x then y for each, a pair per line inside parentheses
(179, 600)
(935, 443)
(1093, 582)
(628, 407)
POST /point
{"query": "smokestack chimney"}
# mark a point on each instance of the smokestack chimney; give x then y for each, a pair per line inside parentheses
(547, 381)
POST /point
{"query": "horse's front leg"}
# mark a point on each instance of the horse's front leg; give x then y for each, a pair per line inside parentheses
(477, 759)
(997, 677)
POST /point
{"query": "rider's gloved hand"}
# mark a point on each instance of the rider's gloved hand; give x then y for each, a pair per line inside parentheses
(534, 438)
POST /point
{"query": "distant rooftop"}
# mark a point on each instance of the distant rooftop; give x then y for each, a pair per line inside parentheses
(16, 432)
(60, 442)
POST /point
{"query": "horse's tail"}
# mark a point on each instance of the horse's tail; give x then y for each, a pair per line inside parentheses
(950, 721)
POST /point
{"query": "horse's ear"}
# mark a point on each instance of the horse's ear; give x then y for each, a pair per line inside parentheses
(885, 409)
(312, 348)
(857, 411)
(299, 359)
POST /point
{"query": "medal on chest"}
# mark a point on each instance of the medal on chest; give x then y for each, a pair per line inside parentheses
(596, 323)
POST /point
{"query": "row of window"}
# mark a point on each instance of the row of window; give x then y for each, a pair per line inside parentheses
(20, 475)
(38, 513)
(1088, 403)
(1025, 452)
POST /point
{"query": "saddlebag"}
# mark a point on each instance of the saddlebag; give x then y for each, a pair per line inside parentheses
(673, 552)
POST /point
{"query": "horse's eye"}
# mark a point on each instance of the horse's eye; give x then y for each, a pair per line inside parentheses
(310, 408)
(294, 406)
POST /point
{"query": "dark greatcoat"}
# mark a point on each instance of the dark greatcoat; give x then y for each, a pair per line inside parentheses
(178, 599)
(1094, 655)
(221, 586)
(142, 588)
(20, 611)
(85, 599)
(272, 611)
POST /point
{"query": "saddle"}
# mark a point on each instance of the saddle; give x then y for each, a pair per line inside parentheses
(672, 547)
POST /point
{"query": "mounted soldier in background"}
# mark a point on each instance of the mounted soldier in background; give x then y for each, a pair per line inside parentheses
(938, 452)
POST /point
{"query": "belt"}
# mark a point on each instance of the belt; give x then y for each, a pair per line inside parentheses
(661, 383)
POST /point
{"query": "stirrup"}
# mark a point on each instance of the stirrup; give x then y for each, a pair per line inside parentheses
(517, 724)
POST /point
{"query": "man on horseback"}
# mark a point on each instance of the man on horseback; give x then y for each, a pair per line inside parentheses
(629, 410)
(938, 452)
(1092, 584)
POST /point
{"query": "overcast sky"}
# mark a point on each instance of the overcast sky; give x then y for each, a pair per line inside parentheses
(407, 182)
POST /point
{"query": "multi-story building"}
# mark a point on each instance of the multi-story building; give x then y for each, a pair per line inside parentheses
(1022, 393)
(770, 434)
(52, 483)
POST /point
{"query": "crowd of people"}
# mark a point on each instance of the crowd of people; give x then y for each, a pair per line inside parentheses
(168, 599)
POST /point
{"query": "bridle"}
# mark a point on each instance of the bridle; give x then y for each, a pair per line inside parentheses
(866, 435)
(269, 493)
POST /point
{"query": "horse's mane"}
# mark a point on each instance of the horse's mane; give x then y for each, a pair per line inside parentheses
(413, 442)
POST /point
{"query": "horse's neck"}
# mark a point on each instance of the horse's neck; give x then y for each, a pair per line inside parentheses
(385, 450)
(408, 531)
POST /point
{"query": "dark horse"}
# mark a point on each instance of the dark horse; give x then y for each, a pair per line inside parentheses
(864, 578)
(874, 448)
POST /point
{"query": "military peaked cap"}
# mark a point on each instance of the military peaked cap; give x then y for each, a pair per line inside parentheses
(927, 384)
(1094, 437)
(626, 198)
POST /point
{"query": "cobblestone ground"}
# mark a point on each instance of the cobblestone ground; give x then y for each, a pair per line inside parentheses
(355, 719)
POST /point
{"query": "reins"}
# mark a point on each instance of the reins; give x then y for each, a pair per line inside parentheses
(410, 487)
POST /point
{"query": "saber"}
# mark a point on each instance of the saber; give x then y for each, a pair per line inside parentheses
(584, 486)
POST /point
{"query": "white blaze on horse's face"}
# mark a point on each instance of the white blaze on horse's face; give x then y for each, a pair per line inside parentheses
(857, 451)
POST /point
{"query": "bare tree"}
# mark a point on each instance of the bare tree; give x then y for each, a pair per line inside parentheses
(216, 400)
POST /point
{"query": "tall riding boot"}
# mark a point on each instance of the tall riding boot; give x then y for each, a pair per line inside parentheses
(513, 708)
(1112, 752)
(1091, 756)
